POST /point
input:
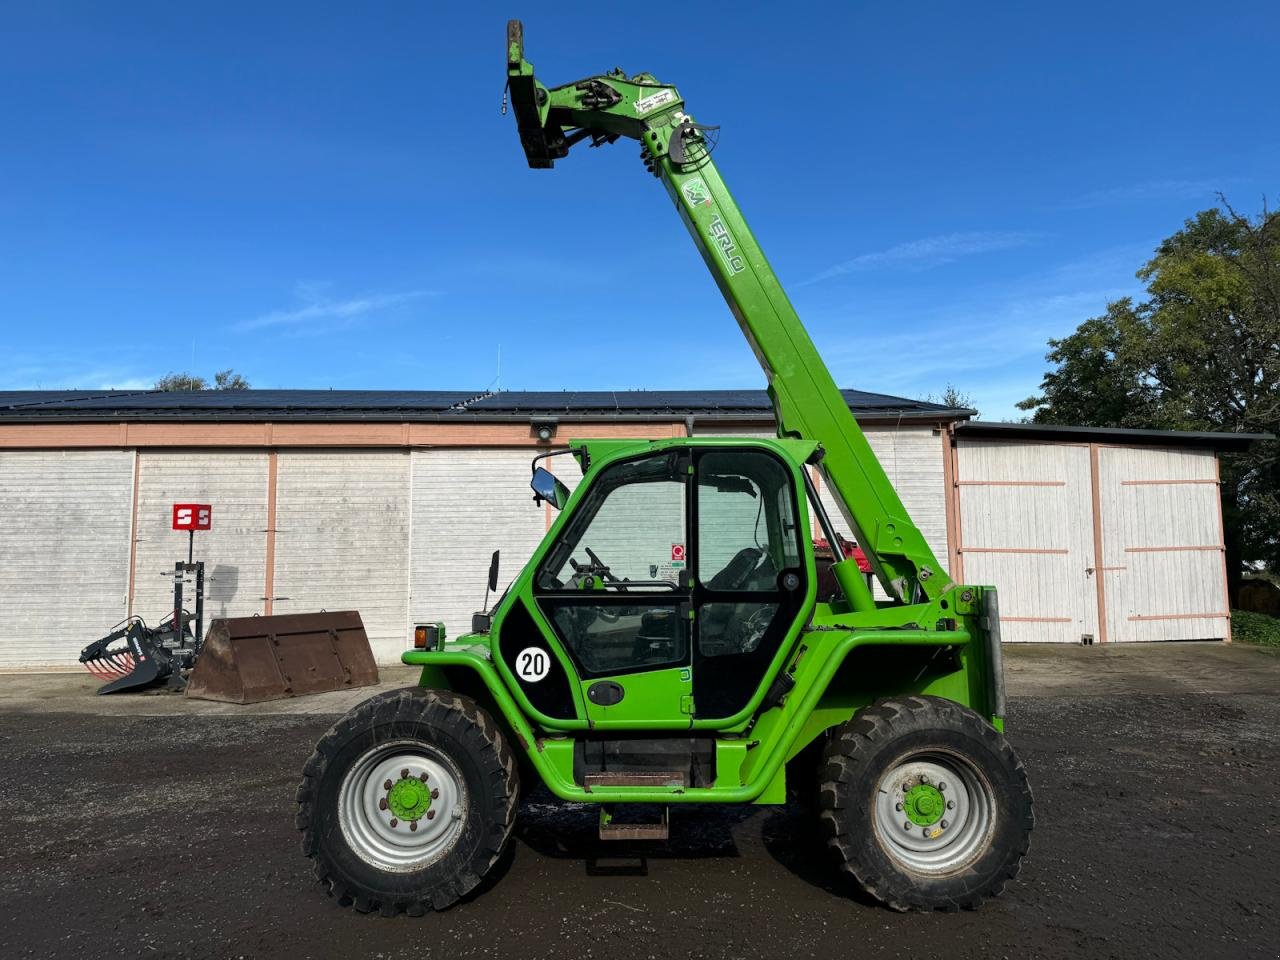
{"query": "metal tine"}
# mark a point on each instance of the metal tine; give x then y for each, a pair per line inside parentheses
(119, 665)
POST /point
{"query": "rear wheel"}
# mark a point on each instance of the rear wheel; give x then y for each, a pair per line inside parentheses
(408, 801)
(925, 804)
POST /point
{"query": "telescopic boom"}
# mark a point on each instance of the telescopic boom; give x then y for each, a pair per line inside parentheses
(806, 401)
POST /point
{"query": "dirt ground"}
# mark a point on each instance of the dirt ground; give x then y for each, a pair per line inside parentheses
(167, 831)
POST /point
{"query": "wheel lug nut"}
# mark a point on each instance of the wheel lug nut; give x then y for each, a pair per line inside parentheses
(382, 804)
(906, 786)
(942, 785)
(413, 825)
(387, 785)
(945, 824)
(404, 774)
(906, 825)
(395, 822)
(431, 814)
(435, 794)
(951, 804)
(898, 807)
(423, 776)
(923, 778)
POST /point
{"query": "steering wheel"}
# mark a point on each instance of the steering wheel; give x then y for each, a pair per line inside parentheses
(597, 567)
(602, 568)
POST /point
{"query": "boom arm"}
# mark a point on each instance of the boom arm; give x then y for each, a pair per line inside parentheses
(806, 401)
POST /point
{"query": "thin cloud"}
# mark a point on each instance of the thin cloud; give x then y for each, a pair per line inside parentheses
(130, 383)
(929, 252)
(321, 310)
(68, 373)
(1146, 191)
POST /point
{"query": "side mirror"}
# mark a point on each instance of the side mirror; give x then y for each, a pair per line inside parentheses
(493, 572)
(547, 487)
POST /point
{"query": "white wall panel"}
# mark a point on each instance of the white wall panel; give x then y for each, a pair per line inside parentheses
(342, 540)
(466, 504)
(64, 551)
(234, 551)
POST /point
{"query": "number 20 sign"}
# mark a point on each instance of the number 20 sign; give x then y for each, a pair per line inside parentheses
(192, 516)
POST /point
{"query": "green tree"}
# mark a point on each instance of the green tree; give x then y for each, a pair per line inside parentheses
(1201, 352)
(952, 396)
(229, 380)
(222, 380)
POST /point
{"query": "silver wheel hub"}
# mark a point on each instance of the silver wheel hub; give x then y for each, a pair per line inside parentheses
(934, 813)
(402, 805)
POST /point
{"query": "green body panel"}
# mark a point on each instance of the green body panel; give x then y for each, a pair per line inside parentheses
(653, 702)
(932, 637)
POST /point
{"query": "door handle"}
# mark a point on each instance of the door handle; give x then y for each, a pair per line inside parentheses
(605, 693)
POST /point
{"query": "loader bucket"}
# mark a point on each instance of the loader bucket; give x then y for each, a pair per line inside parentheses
(250, 659)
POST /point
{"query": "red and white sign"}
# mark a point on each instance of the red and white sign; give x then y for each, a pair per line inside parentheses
(677, 553)
(192, 516)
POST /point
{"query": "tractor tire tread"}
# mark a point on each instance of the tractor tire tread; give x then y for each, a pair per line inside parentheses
(468, 723)
(852, 745)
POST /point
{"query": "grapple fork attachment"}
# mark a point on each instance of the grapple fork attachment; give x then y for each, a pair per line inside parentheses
(126, 659)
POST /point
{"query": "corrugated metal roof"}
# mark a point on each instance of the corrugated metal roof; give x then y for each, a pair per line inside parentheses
(340, 405)
(1023, 432)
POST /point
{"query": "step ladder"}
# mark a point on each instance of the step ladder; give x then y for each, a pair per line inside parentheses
(611, 829)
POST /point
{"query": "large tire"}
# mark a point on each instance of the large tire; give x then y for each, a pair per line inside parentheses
(925, 804)
(429, 838)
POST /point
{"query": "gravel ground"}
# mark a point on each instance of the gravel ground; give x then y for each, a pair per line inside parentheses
(154, 836)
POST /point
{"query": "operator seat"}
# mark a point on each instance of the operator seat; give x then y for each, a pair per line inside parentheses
(716, 633)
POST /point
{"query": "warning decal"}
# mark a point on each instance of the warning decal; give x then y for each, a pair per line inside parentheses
(654, 101)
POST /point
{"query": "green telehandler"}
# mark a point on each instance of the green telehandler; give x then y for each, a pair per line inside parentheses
(668, 643)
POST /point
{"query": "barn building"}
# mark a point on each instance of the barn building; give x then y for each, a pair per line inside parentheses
(391, 503)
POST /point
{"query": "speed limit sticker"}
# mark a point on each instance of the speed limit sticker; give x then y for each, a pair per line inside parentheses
(532, 664)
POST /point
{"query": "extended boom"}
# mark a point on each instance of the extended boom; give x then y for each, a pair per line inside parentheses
(807, 403)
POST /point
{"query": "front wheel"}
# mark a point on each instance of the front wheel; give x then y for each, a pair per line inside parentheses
(408, 801)
(925, 804)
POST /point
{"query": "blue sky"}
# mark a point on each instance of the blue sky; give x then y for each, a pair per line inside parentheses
(325, 195)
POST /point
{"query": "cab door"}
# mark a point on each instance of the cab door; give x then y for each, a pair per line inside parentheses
(751, 579)
(616, 591)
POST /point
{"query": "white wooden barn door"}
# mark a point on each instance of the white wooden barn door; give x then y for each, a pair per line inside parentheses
(1025, 526)
(1163, 572)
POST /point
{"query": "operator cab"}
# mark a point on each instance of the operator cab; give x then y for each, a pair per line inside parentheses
(670, 589)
